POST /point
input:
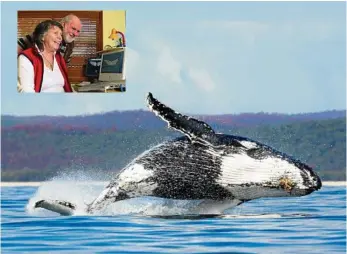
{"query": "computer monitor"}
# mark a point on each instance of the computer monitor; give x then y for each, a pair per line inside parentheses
(92, 68)
(112, 65)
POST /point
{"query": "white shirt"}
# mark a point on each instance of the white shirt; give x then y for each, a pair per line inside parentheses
(53, 81)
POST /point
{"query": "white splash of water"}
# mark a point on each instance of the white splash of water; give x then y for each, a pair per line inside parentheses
(76, 192)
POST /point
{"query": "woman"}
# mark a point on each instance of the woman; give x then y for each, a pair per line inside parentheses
(41, 68)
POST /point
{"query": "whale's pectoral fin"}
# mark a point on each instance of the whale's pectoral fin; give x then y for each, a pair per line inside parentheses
(62, 207)
(193, 128)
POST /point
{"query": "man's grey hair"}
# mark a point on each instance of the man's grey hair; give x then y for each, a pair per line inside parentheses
(67, 18)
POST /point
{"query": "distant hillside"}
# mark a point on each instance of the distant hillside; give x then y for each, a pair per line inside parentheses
(37, 152)
(141, 119)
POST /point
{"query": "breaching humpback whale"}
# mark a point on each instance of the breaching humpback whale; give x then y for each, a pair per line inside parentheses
(202, 165)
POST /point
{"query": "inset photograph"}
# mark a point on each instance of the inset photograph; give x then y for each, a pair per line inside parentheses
(71, 51)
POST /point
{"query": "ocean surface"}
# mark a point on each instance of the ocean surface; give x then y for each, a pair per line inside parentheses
(310, 224)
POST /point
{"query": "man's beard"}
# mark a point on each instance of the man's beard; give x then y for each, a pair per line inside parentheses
(68, 38)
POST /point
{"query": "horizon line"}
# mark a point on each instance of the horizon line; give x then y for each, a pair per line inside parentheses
(192, 114)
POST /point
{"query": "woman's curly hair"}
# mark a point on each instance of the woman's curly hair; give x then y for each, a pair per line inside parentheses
(41, 29)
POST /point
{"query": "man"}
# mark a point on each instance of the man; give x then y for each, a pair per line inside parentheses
(72, 27)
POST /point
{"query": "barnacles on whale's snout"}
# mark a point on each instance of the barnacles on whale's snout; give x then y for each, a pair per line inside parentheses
(286, 183)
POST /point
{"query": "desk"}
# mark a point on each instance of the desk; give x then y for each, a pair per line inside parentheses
(100, 87)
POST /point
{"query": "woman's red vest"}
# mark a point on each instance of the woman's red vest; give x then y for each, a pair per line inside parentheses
(37, 61)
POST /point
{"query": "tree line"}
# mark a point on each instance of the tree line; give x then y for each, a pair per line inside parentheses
(30, 154)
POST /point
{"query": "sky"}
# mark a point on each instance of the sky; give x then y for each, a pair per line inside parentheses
(205, 58)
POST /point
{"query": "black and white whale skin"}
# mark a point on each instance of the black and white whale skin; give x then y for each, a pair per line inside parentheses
(218, 169)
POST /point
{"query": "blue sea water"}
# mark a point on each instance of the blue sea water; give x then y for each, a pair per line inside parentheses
(310, 224)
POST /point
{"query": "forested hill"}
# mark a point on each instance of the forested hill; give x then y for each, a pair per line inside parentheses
(37, 152)
(141, 119)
